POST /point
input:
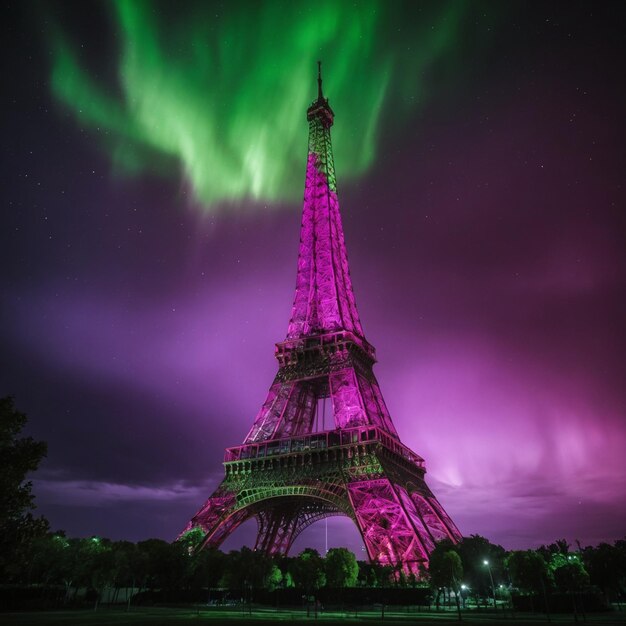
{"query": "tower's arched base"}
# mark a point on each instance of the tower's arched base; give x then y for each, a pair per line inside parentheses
(359, 472)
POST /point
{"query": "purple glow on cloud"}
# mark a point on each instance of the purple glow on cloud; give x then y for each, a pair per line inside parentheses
(185, 344)
(489, 266)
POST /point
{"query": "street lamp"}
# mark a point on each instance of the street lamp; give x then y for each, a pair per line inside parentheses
(493, 587)
(463, 589)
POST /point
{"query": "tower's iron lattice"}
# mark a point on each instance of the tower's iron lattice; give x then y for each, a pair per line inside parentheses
(286, 474)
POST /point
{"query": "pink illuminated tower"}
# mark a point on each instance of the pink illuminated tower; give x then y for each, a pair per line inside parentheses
(289, 472)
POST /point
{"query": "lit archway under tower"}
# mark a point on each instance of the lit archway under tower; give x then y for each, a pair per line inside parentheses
(287, 474)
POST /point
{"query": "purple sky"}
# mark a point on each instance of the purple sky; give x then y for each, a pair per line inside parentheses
(488, 260)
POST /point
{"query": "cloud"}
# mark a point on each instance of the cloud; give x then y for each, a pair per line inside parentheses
(93, 493)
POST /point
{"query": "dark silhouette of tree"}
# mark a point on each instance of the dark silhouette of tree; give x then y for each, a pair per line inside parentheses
(164, 564)
(124, 567)
(474, 551)
(171, 568)
(374, 574)
(247, 571)
(367, 574)
(555, 553)
(18, 457)
(206, 568)
(308, 571)
(97, 559)
(48, 565)
(285, 564)
(528, 570)
(446, 571)
(342, 570)
(71, 566)
(530, 574)
(571, 577)
(606, 565)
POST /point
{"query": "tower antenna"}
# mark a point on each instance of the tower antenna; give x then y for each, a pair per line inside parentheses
(320, 96)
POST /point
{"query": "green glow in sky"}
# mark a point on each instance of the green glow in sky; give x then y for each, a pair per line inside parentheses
(220, 98)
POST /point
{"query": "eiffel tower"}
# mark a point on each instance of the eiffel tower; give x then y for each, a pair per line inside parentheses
(288, 474)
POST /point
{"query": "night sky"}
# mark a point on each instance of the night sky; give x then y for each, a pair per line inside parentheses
(153, 168)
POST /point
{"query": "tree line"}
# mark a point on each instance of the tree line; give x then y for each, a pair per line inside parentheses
(477, 569)
(473, 570)
(171, 567)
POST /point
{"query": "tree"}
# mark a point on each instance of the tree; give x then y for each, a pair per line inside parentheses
(571, 577)
(58, 560)
(18, 457)
(556, 554)
(446, 571)
(274, 578)
(342, 569)
(47, 564)
(308, 571)
(560, 546)
(206, 568)
(373, 574)
(474, 551)
(192, 539)
(528, 570)
(285, 564)
(203, 567)
(530, 573)
(606, 565)
(246, 569)
(124, 568)
(163, 564)
(96, 565)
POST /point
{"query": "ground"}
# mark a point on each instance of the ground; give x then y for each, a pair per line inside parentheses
(235, 617)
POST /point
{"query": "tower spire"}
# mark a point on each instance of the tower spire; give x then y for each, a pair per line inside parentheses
(324, 300)
(320, 95)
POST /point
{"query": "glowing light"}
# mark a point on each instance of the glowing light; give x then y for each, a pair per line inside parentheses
(219, 99)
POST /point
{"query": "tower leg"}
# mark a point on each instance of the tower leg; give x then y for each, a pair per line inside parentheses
(443, 517)
(288, 410)
(357, 401)
(390, 536)
(280, 525)
(276, 531)
(217, 517)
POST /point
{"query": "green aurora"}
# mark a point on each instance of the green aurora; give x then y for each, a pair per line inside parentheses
(220, 98)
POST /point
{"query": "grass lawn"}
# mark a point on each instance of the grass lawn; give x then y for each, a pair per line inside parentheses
(235, 617)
